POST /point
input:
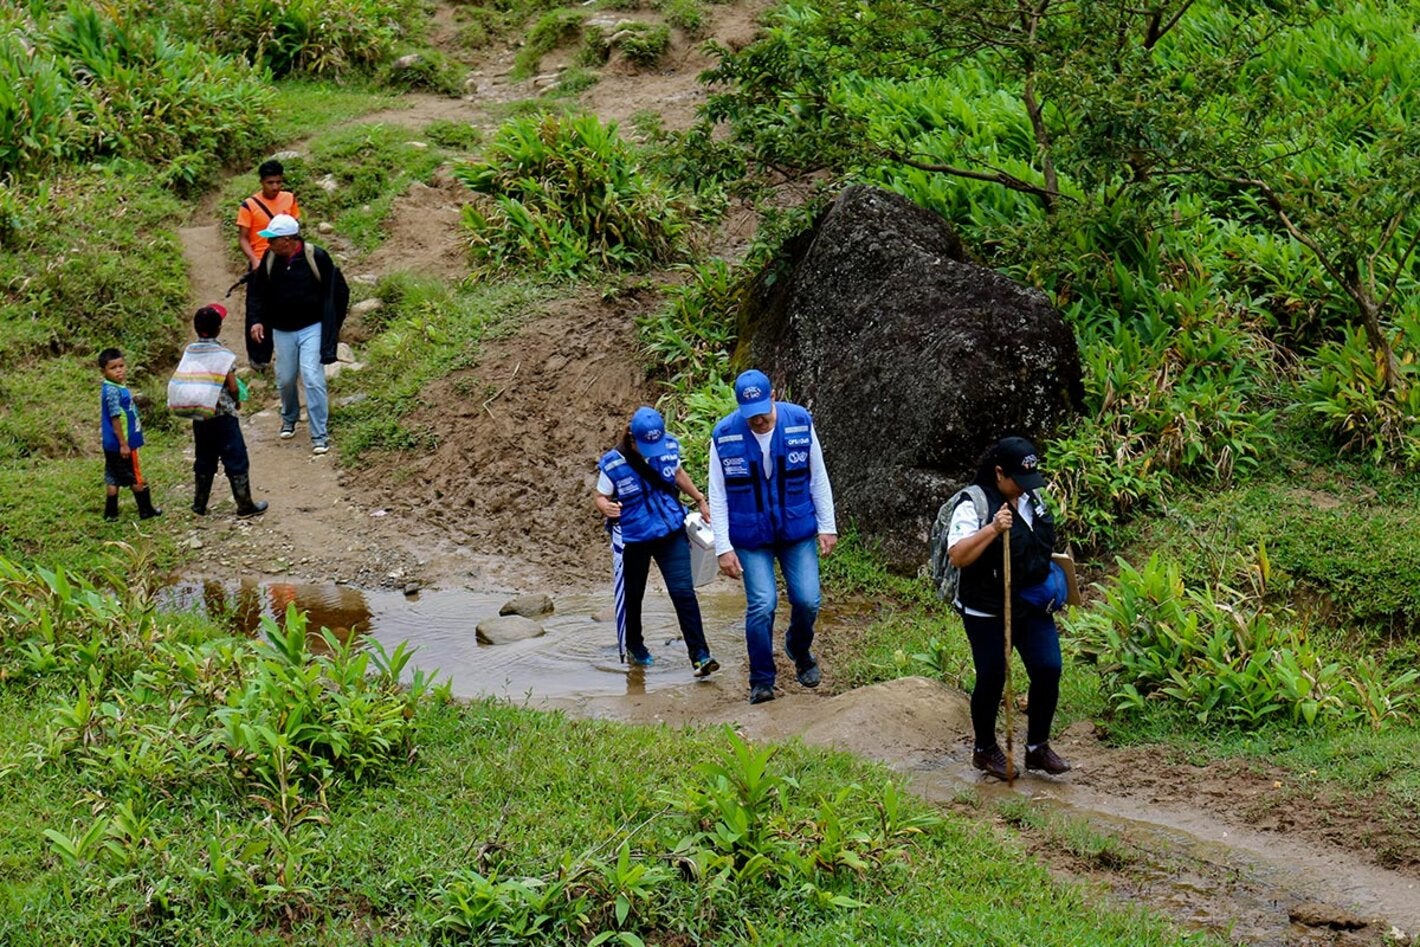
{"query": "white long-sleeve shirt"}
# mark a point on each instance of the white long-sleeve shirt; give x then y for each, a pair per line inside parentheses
(819, 488)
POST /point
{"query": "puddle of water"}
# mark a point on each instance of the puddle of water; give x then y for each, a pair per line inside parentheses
(576, 658)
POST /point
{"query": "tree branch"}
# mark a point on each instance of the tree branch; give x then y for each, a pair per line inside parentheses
(995, 176)
(1399, 268)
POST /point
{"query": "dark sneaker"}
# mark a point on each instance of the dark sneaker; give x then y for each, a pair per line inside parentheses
(808, 673)
(760, 693)
(642, 658)
(320, 447)
(1044, 758)
(992, 761)
(705, 666)
(288, 430)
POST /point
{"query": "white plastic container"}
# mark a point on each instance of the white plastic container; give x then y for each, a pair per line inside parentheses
(704, 564)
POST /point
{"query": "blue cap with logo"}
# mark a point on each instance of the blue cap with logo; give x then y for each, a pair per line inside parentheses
(752, 393)
(649, 430)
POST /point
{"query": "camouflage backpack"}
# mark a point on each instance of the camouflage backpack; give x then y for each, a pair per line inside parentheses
(946, 578)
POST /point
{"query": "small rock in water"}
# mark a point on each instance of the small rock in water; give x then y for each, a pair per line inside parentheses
(508, 628)
(412, 588)
(605, 614)
(1321, 914)
(529, 606)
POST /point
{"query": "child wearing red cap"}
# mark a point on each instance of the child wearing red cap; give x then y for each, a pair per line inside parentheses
(204, 388)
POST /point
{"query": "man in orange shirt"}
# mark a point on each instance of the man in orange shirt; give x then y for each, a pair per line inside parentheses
(255, 213)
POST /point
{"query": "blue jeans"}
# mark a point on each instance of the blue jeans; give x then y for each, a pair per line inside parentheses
(672, 554)
(799, 563)
(1036, 640)
(299, 351)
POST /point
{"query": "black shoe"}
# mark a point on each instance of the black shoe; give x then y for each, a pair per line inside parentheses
(705, 666)
(111, 507)
(144, 499)
(990, 761)
(1044, 758)
(760, 693)
(808, 673)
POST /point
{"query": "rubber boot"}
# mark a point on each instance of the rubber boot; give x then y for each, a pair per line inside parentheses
(241, 492)
(146, 509)
(111, 507)
(202, 493)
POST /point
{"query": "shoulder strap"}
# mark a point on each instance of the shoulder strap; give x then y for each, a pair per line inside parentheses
(311, 259)
(266, 210)
(978, 500)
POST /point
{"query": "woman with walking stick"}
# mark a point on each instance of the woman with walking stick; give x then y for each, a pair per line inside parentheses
(1009, 478)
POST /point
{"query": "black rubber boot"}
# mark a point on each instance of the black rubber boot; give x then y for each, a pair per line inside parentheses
(202, 493)
(146, 509)
(241, 492)
(111, 507)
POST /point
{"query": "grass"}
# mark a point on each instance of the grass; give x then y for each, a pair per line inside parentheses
(510, 791)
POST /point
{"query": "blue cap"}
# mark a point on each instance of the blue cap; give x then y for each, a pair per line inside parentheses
(649, 430)
(752, 393)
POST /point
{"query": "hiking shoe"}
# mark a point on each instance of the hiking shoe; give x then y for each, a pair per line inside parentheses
(320, 447)
(288, 430)
(808, 673)
(990, 761)
(760, 693)
(705, 666)
(1044, 758)
(642, 658)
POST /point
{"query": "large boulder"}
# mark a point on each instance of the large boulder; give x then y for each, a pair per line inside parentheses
(912, 359)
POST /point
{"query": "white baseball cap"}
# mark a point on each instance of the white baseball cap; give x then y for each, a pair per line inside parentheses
(282, 225)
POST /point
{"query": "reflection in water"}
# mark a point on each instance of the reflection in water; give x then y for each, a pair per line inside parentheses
(576, 657)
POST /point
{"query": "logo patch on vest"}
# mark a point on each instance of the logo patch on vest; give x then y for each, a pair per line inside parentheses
(796, 429)
(729, 438)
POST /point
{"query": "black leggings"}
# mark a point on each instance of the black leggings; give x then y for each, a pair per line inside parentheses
(1036, 640)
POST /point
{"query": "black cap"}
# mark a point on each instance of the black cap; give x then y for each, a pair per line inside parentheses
(1019, 461)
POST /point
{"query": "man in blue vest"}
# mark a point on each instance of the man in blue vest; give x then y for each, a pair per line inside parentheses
(770, 499)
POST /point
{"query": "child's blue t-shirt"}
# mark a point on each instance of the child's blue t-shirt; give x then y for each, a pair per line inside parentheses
(117, 400)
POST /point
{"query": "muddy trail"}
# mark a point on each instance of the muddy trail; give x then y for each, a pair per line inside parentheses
(421, 546)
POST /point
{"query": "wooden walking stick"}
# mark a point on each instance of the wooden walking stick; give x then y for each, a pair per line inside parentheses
(1010, 697)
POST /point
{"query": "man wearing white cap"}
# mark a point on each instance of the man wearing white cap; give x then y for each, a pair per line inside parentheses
(291, 305)
(770, 500)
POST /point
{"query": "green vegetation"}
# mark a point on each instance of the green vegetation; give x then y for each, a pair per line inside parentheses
(567, 195)
(171, 784)
(428, 329)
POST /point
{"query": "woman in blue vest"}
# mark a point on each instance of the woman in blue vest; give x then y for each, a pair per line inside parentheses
(638, 491)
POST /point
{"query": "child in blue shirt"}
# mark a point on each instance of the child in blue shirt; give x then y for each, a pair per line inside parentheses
(122, 436)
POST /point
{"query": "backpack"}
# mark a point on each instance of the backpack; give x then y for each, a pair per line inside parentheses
(946, 578)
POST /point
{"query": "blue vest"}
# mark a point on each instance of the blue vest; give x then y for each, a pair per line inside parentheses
(763, 512)
(125, 401)
(647, 510)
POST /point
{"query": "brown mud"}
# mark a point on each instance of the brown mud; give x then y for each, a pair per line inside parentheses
(501, 506)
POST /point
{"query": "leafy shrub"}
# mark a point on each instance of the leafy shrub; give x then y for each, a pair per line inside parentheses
(568, 195)
(552, 30)
(685, 15)
(1216, 655)
(320, 37)
(90, 86)
(642, 44)
(1346, 392)
(459, 136)
(425, 69)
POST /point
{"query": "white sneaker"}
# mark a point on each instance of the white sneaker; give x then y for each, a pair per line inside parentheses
(320, 447)
(288, 430)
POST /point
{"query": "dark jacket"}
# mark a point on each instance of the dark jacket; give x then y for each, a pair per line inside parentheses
(266, 298)
(983, 582)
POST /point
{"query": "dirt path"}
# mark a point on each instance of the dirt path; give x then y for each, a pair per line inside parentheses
(1228, 847)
